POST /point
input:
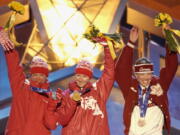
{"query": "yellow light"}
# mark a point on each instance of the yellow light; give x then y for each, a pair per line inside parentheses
(59, 52)
(65, 25)
(74, 56)
(89, 50)
(77, 24)
(63, 37)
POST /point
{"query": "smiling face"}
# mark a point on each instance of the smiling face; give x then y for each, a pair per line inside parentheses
(38, 77)
(144, 78)
(81, 80)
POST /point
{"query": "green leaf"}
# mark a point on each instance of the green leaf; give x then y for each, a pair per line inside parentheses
(116, 36)
(10, 23)
(172, 40)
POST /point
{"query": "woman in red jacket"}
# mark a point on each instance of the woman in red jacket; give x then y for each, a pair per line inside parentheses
(90, 117)
(146, 103)
(30, 97)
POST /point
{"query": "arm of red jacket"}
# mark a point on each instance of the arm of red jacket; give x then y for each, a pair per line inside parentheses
(66, 111)
(61, 115)
(15, 71)
(51, 116)
(105, 83)
(168, 72)
(123, 69)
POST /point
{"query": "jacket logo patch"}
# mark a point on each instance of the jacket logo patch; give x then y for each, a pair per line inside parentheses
(91, 103)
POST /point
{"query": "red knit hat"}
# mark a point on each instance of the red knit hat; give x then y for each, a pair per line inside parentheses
(38, 65)
(84, 67)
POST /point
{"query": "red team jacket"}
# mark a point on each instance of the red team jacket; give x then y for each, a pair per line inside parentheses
(123, 75)
(90, 117)
(29, 108)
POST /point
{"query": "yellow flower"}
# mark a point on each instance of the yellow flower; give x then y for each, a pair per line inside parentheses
(100, 34)
(157, 22)
(162, 16)
(162, 19)
(89, 30)
(17, 7)
(169, 19)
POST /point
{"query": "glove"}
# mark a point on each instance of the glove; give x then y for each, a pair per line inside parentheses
(5, 42)
(59, 94)
(101, 41)
(52, 104)
(56, 95)
(54, 99)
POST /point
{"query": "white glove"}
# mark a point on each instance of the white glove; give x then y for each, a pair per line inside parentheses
(5, 42)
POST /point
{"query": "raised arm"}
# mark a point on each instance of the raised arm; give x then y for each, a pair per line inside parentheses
(51, 116)
(105, 83)
(168, 72)
(123, 67)
(66, 111)
(15, 72)
(123, 70)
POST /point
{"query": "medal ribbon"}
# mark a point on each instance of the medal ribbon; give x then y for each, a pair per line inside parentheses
(40, 90)
(143, 103)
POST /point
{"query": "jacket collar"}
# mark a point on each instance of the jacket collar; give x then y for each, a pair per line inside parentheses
(74, 87)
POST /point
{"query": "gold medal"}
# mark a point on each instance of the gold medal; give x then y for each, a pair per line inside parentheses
(76, 96)
(141, 122)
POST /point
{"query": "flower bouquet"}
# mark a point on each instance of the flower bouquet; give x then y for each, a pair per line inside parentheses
(113, 41)
(17, 8)
(171, 35)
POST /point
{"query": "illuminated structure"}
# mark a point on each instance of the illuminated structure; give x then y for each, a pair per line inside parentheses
(59, 25)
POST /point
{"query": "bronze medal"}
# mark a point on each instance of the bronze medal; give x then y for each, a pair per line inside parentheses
(141, 122)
